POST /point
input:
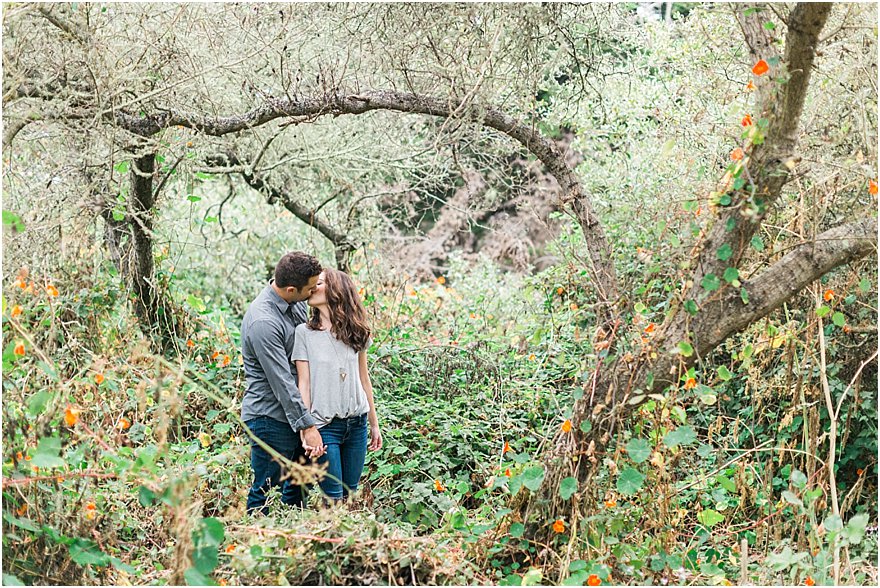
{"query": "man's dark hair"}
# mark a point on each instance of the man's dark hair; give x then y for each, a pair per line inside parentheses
(296, 269)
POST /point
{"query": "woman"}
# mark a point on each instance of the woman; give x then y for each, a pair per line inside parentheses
(330, 351)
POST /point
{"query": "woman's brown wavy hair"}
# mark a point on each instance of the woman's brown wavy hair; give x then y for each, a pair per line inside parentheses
(348, 318)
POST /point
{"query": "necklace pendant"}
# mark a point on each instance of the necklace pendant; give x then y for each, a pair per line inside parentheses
(342, 374)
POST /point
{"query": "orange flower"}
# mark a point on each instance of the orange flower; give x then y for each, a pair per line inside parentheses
(99, 379)
(18, 456)
(51, 290)
(27, 457)
(747, 120)
(566, 426)
(19, 349)
(810, 581)
(532, 357)
(573, 306)
(123, 423)
(71, 415)
(221, 582)
(441, 280)
(91, 511)
(860, 471)
(473, 316)
(559, 526)
(737, 154)
(650, 328)
(190, 343)
(690, 384)
(215, 355)
(601, 345)
(506, 447)
(560, 290)
(226, 360)
(438, 486)
(16, 310)
(828, 295)
(872, 187)
(507, 472)
(21, 509)
(750, 86)
(610, 503)
(230, 548)
(593, 580)
(760, 68)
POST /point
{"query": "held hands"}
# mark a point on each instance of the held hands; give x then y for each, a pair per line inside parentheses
(312, 442)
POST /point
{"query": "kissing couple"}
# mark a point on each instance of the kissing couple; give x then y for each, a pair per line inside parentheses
(308, 394)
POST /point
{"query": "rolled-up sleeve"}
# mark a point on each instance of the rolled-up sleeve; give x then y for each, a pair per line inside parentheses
(267, 341)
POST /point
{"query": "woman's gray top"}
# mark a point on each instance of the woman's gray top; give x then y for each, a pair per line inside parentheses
(334, 375)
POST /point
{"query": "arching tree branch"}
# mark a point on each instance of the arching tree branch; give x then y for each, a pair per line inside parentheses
(572, 193)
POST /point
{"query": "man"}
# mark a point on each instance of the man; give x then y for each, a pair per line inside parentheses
(272, 407)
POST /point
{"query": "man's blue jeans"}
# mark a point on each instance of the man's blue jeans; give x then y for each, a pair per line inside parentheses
(346, 441)
(267, 471)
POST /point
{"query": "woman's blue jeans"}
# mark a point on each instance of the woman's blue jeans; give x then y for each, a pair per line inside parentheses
(346, 441)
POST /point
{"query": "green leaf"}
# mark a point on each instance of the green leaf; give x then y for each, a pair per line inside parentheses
(757, 243)
(738, 183)
(681, 436)
(710, 282)
(577, 565)
(798, 479)
(146, 496)
(532, 577)
(726, 483)
(10, 219)
(630, 481)
(121, 565)
(731, 275)
(586, 426)
(769, 25)
(533, 477)
(48, 453)
(37, 403)
(196, 302)
(822, 311)
(121, 167)
(855, 528)
(193, 198)
(724, 373)
(10, 580)
(724, 252)
(118, 215)
(638, 450)
(685, 348)
(838, 319)
(744, 295)
(517, 530)
(691, 307)
(193, 577)
(864, 285)
(567, 488)
(833, 523)
(85, 552)
(710, 517)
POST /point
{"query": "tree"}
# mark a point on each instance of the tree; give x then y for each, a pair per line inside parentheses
(715, 301)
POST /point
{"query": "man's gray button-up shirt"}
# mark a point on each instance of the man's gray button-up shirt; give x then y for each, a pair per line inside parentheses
(267, 336)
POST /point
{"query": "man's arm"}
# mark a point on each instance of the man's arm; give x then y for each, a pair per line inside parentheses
(268, 345)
